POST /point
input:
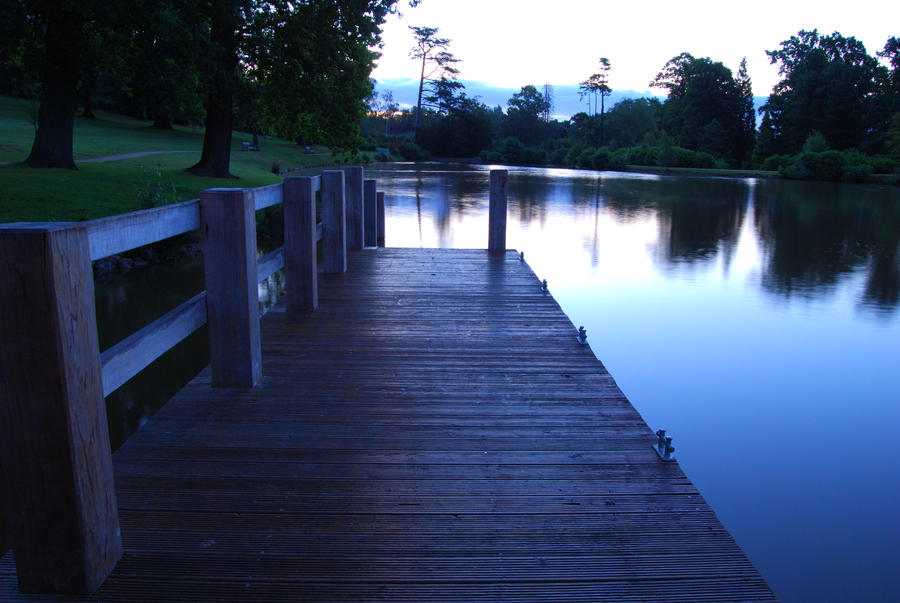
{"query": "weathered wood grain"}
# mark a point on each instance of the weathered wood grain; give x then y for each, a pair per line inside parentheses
(300, 245)
(230, 271)
(334, 227)
(133, 354)
(269, 264)
(54, 439)
(267, 196)
(433, 432)
(379, 218)
(116, 234)
(355, 213)
(370, 218)
(497, 211)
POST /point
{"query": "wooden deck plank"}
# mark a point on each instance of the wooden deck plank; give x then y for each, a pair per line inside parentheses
(433, 432)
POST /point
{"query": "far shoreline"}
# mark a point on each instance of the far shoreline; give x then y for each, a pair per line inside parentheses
(881, 179)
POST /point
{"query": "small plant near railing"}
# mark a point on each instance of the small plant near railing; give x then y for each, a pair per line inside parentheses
(155, 193)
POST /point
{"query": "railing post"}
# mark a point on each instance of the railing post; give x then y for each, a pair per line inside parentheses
(369, 218)
(497, 211)
(232, 306)
(53, 431)
(356, 217)
(379, 211)
(334, 248)
(300, 245)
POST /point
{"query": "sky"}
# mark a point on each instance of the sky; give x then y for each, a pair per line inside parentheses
(510, 43)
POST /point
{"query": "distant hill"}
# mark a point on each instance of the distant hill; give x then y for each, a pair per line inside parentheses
(565, 105)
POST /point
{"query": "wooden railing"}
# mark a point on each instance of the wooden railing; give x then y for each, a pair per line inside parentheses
(55, 444)
(53, 437)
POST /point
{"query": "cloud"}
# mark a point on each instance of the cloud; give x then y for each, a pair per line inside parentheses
(566, 102)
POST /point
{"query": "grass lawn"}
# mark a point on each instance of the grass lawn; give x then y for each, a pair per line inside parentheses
(101, 189)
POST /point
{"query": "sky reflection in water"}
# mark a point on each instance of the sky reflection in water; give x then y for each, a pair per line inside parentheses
(755, 320)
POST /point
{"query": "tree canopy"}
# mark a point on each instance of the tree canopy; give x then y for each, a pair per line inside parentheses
(707, 108)
(302, 67)
(828, 85)
(437, 69)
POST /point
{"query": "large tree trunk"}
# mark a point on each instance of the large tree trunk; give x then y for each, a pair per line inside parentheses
(419, 102)
(56, 116)
(216, 156)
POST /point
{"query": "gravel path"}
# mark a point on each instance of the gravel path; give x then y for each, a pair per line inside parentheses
(116, 157)
(126, 156)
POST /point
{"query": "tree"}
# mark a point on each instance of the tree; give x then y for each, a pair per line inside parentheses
(221, 61)
(435, 58)
(59, 27)
(444, 95)
(597, 85)
(523, 115)
(893, 137)
(828, 84)
(630, 120)
(312, 62)
(891, 54)
(705, 98)
(384, 106)
(549, 98)
(464, 131)
(765, 141)
(156, 60)
(745, 136)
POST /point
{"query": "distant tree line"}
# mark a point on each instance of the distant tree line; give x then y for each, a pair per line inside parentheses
(834, 115)
(298, 69)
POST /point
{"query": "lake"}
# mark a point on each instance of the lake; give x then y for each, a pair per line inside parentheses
(755, 320)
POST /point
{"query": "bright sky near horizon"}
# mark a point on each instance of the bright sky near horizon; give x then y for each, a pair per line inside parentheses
(511, 43)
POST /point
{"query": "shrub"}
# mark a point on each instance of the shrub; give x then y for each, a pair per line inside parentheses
(573, 153)
(857, 172)
(604, 159)
(412, 152)
(775, 162)
(491, 157)
(585, 158)
(534, 156)
(882, 165)
(153, 193)
(828, 165)
(691, 159)
(558, 156)
(815, 143)
(832, 166)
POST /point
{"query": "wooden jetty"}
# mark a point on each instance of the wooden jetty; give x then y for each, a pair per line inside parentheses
(432, 432)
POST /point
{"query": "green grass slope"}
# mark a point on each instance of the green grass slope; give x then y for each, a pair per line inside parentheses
(101, 189)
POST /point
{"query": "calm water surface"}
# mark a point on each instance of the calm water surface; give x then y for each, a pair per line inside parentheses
(755, 320)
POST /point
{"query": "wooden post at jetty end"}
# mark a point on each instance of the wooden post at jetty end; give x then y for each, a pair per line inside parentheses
(53, 431)
(497, 211)
(356, 217)
(300, 245)
(232, 305)
(334, 248)
(379, 218)
(370, 213)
